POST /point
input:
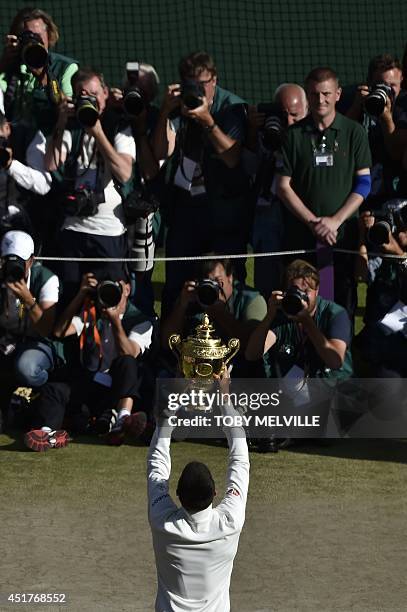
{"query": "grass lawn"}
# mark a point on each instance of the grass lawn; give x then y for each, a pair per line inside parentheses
(325, 526)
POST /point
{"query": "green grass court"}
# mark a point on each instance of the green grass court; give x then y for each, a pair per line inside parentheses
(325, 526)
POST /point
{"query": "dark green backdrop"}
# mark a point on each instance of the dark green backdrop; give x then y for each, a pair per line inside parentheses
(256, 44)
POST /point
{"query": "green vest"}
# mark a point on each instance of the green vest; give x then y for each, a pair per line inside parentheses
(290, 349)
(32, 104)
(39, 276)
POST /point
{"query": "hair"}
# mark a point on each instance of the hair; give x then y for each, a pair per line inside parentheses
(193, 64)
(29, 14)
(196, 487)
(319, 75)
(282, 86)
(86, 73)
(300, 268)
(206, 266)
(152, 74)
(382, 63)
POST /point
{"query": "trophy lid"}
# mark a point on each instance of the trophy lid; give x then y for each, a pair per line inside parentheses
(204, 338)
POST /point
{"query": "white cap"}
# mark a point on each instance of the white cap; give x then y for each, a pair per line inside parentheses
(17, 243)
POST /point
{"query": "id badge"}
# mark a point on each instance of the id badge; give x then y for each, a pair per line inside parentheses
(185, 174)
(323, 157)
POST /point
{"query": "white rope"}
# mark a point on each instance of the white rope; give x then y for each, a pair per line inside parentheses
(208, 257)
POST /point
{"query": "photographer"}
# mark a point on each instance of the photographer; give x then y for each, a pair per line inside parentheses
(381, 106)
(200, 131)
(33, 77)
(113, 335)
(22, 169)
(302, 330)
(135, 101)
(233, 308)
(96, 162)
(267, 124)
(29, 294)
(384, 346)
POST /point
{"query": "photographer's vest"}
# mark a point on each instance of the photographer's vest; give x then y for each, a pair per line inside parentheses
(32, 103)
(226, 188)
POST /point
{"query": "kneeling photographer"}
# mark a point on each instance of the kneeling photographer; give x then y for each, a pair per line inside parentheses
(113, 334)
(382, 341)
(96, 162)
(233, 308)
(28, 296)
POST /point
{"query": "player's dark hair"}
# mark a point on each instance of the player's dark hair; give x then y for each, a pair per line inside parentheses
(196, 487)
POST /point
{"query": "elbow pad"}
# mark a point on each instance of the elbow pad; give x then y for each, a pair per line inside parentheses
(362, 185)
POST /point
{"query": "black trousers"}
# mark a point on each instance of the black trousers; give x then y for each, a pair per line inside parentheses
(62, 397)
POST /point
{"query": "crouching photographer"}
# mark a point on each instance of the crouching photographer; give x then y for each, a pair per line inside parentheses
(233, 308)
(382, 340)
(96, 160)
(302, 336)
(113, 335)
(28, 297)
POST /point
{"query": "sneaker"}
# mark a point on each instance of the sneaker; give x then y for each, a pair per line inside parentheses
(39, 440)
(132, 426)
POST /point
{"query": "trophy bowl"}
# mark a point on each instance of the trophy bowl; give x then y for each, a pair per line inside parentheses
(202, 355)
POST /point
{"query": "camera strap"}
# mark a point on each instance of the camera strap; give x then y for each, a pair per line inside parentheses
(90, 343)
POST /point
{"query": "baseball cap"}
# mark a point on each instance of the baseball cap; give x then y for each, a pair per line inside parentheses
(17, 243)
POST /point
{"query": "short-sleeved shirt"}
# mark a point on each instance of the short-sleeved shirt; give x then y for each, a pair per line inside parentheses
(323, 189)
(292, 348)
(93, 174)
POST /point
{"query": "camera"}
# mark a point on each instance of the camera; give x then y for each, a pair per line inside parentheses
(133, 98)
(82, 202)
(32, 50)
(376, 99)
(207, 291)
(274, 125)
(108, 294)
(4, 154)
(391, 218)
(292, 302)
(86, 110)
(192, 93)
(139, 203)
(12, 269)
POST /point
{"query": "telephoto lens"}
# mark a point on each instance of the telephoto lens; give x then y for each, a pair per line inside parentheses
(375, 101)
(32, 50)
(207, 291)
(109, 293)
(86, 110)
(13, 269)
(292, 302)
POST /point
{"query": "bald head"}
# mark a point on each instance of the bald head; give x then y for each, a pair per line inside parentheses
(292, 100)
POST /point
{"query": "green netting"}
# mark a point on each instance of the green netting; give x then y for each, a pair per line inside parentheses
(256, 44)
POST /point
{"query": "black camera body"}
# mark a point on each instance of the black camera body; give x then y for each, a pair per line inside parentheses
(4, 154)
(32, 50)
(375, 101)
(192, 93)
(133, 97)
(108, 294)
(86, 110)
(391, 218)
(82, 202)
(292, 302)
(139, 204)
(207, 291)
(274, 125)
(12, 269)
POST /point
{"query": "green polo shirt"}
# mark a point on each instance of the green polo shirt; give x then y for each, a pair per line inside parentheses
(323, 189)
(293, 349)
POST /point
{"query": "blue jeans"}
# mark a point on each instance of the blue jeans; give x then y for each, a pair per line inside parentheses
(32, 362)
